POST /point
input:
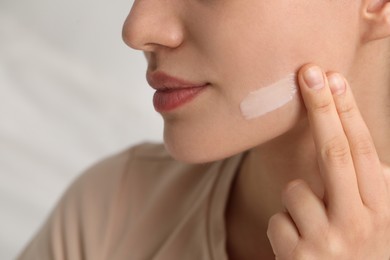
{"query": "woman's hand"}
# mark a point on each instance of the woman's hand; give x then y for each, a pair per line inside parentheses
(353, 221)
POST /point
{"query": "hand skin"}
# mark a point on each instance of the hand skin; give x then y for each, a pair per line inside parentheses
(352, 221)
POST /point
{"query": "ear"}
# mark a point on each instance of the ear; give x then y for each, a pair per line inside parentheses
(376, 16)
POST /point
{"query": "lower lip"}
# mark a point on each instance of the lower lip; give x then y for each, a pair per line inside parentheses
(165, 101)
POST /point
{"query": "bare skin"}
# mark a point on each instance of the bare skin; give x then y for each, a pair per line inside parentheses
(283, 146)
(267, 171)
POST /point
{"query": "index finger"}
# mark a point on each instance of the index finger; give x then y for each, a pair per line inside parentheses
(333, 151)
(370, 178)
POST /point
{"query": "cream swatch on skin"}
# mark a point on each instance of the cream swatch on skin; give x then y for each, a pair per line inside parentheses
(269, 98)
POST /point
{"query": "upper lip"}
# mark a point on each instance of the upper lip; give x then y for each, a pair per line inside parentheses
(161, 81)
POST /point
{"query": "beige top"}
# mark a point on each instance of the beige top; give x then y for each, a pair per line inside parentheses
(140, 204)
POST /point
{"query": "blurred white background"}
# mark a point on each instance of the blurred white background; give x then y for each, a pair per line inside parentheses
(71, 93)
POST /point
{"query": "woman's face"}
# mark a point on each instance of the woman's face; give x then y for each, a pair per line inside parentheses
(237, 46)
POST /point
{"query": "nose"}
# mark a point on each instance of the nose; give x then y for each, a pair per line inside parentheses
(153, 24)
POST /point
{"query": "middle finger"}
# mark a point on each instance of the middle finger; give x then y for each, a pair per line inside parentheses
(333, 152)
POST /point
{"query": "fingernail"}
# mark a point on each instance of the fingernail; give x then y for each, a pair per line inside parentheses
(336, 84)
(314, 78)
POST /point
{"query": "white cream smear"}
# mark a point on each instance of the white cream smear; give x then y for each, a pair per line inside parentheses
(269, 98)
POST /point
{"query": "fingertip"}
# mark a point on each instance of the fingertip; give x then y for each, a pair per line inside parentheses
(312, 76)
(337, 83)
(306, 67)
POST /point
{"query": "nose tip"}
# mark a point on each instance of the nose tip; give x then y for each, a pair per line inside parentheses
(147, 29)
(130, 38)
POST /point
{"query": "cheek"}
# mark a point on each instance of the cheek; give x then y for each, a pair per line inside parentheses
(264, 43)
(242, 55)
(269, 98)
(210, 139)
(327, 35)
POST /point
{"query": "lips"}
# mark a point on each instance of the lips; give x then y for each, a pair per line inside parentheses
(172, 92)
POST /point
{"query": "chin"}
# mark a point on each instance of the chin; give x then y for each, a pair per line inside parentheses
(210, 139)
(190, 153)
(197, 152)
(202, 151)
(202, 148)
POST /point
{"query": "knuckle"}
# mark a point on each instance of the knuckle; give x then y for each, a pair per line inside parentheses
(336, 246)
(346, 110)
(338, 243)
(336, 151)
(293, 192)
(364, 146)
(301, 253)
(275, 220)
(323, 106)
(290, 189)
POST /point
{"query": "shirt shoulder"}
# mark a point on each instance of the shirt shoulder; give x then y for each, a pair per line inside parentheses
(109, 198)
(76, 227)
